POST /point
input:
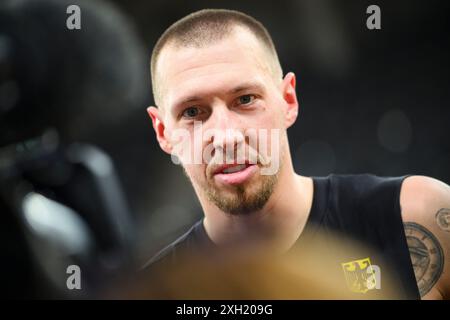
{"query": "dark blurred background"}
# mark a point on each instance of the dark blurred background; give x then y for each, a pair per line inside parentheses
(371, 101)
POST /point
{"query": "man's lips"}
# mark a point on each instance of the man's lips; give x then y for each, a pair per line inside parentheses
(230, 168)
(234, 173)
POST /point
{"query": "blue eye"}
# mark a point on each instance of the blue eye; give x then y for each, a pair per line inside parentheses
(191, 112)
(246, 99)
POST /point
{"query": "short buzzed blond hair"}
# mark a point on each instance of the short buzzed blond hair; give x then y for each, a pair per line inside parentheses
(208, 26)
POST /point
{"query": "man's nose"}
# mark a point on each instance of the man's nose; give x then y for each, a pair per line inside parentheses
(227, 133)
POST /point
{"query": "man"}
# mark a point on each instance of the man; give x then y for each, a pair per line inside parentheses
(217, 71)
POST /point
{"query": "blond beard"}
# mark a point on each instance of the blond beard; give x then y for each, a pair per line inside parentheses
(243, 200)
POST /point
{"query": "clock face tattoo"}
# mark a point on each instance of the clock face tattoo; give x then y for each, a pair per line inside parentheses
(443, 219)
(426, 254)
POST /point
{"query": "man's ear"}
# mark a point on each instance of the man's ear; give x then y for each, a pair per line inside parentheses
(158, 126)
(290, 97)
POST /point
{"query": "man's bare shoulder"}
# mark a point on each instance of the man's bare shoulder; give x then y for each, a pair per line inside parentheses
(425, 204)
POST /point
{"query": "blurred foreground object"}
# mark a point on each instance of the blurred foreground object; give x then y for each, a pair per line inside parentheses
(310, 271)
(60, 199)
(70, 210)
(76, 81)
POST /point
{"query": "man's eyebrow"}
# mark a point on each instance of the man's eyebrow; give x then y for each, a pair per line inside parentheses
(189, 99)
(184, 101)
(246, 86)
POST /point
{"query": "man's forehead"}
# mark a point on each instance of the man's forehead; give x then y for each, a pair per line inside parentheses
(181, 62)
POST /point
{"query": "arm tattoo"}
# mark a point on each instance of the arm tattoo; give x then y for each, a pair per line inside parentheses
(443, 219)
(426, 254)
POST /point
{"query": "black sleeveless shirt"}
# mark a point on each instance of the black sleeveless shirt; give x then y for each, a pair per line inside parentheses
(364, 208)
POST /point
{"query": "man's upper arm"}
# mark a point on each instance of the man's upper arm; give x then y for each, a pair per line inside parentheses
(425, 205)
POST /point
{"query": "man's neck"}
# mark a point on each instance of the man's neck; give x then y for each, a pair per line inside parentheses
(278, 224)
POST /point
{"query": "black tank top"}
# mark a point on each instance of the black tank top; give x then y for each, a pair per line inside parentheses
(363, 208)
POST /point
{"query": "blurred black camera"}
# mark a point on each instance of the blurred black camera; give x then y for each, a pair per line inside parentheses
(60, 199)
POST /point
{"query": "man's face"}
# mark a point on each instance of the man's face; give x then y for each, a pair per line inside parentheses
(221, 97)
